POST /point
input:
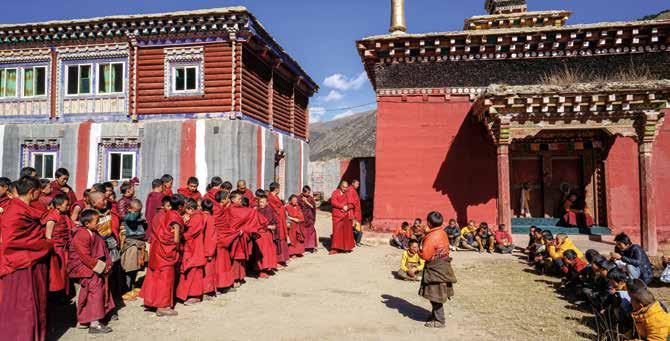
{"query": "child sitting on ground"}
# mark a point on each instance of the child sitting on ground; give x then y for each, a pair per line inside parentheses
(468, 233)
(454, 234)
(572, 269)
(485, 238)
(531, 238)
(617, 304)
(652, 322)
(503, 240)
(133, 251)
(536, 247)
(411, 263)
(400, 238)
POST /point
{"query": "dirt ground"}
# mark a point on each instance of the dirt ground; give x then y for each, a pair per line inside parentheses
(355, 297)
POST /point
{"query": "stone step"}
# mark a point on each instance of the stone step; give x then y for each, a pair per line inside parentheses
(595, 230)
(535, 221)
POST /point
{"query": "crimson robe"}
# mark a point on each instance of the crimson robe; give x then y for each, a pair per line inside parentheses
(60, 236)
(23, 273)
(278, 207)
(241, 222)
(123, 204)
(40, 203)
(168, 192)
(343, 232)
(296, 230)
(310, 219)
(265, 251)
(209, 285)
(159, 282)
(249, 195)
(191, 274)
(224, 270)
(354, 204)
(57, 189)
(95, 299)
(190, 194)
(4, 201)
(211, 194)
(152, 205)
(82, 204)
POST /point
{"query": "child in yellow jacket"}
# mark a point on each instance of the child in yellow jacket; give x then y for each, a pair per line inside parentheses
(411, 263)
(652, 322)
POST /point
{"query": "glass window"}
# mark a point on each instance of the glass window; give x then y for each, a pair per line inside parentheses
(78, 79)
(34, 81)
(45, 164)
(185, 78)
(121, 165)
(110, 78)
(7, 82)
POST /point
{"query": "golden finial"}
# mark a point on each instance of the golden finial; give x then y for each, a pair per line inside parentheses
(398, 24)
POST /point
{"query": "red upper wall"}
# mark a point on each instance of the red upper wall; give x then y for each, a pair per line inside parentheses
(661, 164)
(432, 156)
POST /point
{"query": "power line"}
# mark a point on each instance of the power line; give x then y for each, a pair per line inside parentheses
(347, 108)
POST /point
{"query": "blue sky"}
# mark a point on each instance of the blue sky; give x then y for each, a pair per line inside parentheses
(320, 34)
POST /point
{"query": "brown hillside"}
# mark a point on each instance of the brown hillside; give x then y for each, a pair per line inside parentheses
(344, 138)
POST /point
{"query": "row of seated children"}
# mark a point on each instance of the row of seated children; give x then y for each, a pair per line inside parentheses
(471, 237)
(614, 285)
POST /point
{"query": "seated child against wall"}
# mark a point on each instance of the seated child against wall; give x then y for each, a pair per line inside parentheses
(503, 240)
(401, 236)
(454, 234)
(485, 238)
(468, 234)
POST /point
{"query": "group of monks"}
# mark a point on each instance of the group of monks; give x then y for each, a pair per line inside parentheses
(198, 245)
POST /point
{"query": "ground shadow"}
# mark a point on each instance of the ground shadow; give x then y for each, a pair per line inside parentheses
(326, 242)
(406, 308)
(61, 317)
(468, 174)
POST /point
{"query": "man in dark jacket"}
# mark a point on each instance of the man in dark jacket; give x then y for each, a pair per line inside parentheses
(633, 257)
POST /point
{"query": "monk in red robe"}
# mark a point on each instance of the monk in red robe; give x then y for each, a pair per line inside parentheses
(59, 227)
(213, 188)
(44, 198)
(235, 235)
(60, 186)
(265, 252)
(343, 233)
(225, 279)
(159, 282)
(242, 189)
(576, 215)
(355, 210)
(296, 232)
(272, 224)
(23, 267)
(153, 204)
(278, 207)
(5, 198)
(209, 285)
(191, 189)
(80, 205)
(167, 181)
(308, 206)
(90, 264)
(192, 266)
(127, 190)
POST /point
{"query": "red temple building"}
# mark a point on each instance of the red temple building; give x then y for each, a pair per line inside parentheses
(198, 93)
(522, 99)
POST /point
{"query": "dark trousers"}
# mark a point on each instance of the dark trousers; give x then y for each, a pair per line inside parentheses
(358, 236)
(437, 314)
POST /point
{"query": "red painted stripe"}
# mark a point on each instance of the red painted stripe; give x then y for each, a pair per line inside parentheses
(82, 158)
(259, 158)
(187, 155)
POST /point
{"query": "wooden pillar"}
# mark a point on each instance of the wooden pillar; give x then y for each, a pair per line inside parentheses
(547, 179)
(504, 201)
(647, 183)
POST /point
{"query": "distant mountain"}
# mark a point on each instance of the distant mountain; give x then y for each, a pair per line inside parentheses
(344, 138)
(658, 16)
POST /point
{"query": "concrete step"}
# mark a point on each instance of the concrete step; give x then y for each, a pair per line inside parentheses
(535, 221)
(595, 230)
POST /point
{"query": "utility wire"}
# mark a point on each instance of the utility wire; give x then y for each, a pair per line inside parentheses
(347, 108)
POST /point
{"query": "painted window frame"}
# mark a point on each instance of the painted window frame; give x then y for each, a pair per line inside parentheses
(91, 84)
(98, 81)
(18, 76)
(122, 152)
(173, 76)
(23, 80)
(51, 153)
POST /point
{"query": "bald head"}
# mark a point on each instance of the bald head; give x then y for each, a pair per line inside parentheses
(97, 200)
(241, 185)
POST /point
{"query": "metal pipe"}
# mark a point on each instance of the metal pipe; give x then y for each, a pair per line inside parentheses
(398, 24)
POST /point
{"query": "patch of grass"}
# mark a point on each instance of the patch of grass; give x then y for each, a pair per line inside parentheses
(570, 76)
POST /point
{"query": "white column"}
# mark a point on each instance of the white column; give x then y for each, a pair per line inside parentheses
(2, 148)
(94, 140)
(201, 155)
(261, 181)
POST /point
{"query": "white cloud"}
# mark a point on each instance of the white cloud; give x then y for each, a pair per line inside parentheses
(343, 115)
(341, 82)
(316, 113)
(333, 96)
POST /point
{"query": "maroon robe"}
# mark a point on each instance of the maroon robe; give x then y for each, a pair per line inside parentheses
(152, 205)
(23, 273)
(311, 242)
(343, 232)
(209, 285)
(95, 300)
(278, 207)
(123, 204)
(250, 196)
(189, 194)
(159, 282)
(296, 230)
(354, 204)
(240, 223)
(265, 251)
(82, 204)
(63, 228)
(211, 194)
(57, 189)
(192, 269)
(224, 270)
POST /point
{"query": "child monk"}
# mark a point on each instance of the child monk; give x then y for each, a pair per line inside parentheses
(272, 224)
(59, 227)
(80, 205)
(235, 236)
(308, 206)
(266, 257)
(167, 181)
(159, 282)
(191, 189)
(213, 188)
(296, 231)
(90, 264)
(438, 276)
(209, 280)
(153, 204)
(192, 266)
(278, 207)
(42, 202)
(224, 272)
(23, 269)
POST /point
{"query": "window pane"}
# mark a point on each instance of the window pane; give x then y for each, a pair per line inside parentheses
(39, 165)
(85, 79)
(40, 81)
(117, 77)
(190, 79)
(103, 78)
(115, 166)
(179, 79)
(72, 79)
(127, 170)
(49, 166)
(11, 83)
(29, 82)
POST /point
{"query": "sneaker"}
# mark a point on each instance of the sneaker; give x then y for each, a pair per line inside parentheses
(438, 325)
(166, 312)
(99, 329)
(429, 324)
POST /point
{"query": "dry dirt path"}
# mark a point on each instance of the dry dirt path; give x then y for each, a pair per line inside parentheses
(354, 297)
